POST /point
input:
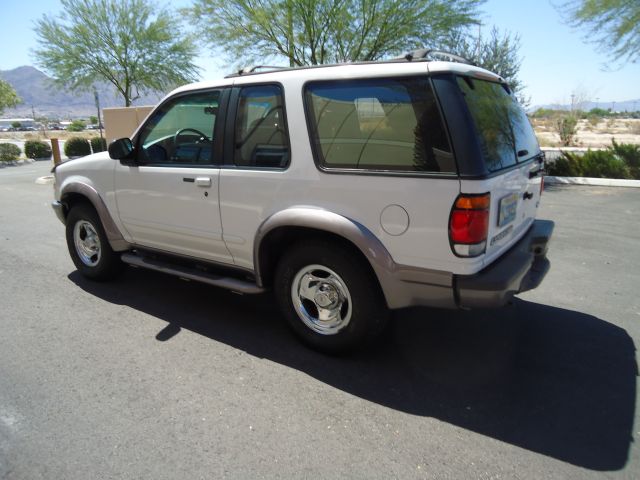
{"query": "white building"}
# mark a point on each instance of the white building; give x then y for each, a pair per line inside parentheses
(24, 122)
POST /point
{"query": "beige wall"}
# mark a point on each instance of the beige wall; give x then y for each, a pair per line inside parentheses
(122, 122)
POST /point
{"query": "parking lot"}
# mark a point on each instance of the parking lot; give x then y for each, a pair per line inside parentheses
(155, 377)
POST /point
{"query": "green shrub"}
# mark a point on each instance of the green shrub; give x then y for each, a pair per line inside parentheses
(567, 165)
(98, 144)
(604, 164)
(77, 126)
(9, 152)
(77, 147)
(594, 163)
(630, 154)
(37, 149)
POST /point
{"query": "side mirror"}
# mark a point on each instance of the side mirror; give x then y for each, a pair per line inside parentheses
(120, 149)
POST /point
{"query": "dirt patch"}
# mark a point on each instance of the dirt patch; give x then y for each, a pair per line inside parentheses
(591, 133)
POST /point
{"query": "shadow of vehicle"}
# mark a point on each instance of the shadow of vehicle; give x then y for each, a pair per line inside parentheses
(550, 380)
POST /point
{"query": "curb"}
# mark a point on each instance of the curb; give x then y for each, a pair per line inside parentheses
(595, 182)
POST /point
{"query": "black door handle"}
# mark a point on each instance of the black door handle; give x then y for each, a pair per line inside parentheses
(527, 195)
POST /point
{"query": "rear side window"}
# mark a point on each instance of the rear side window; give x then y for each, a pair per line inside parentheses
(261, 138)
(378, 124)
(504, 131)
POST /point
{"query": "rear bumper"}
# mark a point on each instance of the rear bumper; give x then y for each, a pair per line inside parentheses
(520, 269)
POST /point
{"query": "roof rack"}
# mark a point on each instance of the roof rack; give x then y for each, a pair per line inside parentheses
(422, 54)
(246, 70)
(425, 53)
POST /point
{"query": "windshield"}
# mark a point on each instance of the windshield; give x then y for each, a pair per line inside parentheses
(506, 136)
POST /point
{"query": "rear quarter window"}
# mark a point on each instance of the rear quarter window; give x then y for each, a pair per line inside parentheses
(503, 129)
(378, 124)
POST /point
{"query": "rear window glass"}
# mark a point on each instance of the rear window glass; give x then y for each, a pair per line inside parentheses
(378, 124)
(506, 136)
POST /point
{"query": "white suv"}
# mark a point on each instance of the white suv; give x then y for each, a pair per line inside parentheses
(349, 190)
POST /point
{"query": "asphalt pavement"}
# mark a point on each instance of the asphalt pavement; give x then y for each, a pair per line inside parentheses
(154, 377)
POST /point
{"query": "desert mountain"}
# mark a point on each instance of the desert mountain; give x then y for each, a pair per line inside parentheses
(49, 100)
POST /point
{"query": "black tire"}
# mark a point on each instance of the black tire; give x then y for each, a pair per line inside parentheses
(93, 256)
(358, 316)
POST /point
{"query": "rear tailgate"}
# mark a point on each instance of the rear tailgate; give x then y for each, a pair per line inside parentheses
(511, 159)
(515, 196)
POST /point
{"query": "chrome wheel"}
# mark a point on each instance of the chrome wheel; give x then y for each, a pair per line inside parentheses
(321, 299)
(87, 243)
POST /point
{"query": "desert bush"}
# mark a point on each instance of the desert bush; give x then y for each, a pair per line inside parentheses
(9, 152)
(567, 127)
(77, 147)
(620, 160)
(37, 149)
(98, 144)
(593, 120)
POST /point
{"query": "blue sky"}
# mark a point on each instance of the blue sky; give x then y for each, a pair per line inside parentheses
(556, 60)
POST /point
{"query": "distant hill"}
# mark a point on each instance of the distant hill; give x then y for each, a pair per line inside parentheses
(38, 90)
(625, 106)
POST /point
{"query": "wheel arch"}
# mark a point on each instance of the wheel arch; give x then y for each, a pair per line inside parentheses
(77, 192)
(286, 227)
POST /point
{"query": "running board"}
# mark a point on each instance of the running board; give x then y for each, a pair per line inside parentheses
(229, 283)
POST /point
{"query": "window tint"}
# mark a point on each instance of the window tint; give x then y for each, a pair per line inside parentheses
(379, 124)
(261, 138)
(506, 136)
(181, 131)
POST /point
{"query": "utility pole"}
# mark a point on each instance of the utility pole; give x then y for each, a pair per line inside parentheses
(44, 124)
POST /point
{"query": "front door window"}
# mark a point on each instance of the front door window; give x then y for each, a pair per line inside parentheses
(181, 132)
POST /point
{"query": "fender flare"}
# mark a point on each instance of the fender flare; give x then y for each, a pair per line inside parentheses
(371, 247)
(115, 238)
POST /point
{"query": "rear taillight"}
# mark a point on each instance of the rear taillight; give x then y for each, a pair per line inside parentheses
(469, 224)
(541, 185)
